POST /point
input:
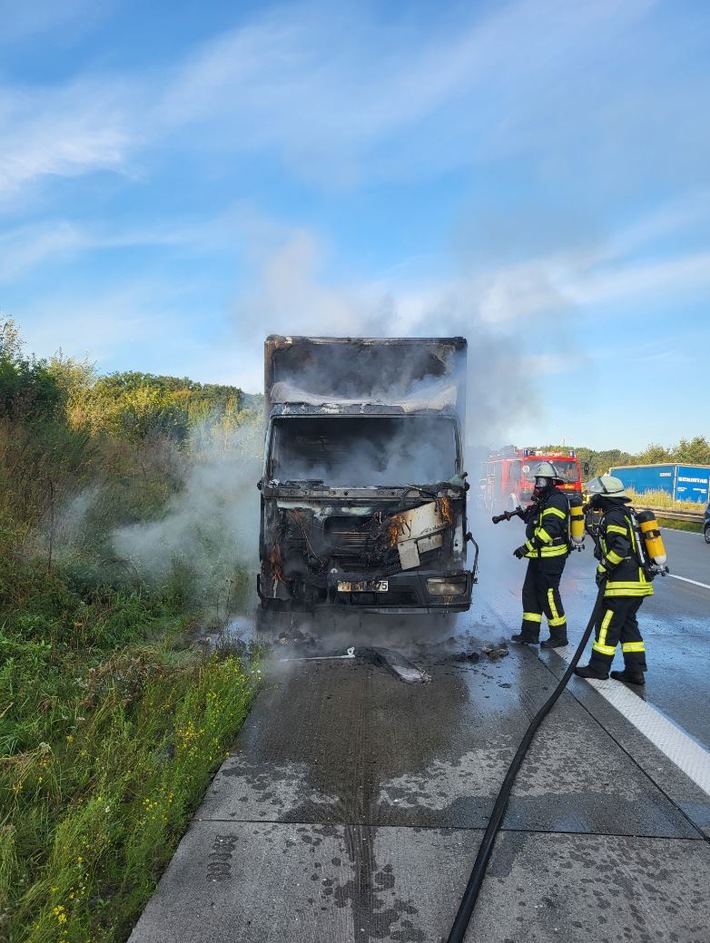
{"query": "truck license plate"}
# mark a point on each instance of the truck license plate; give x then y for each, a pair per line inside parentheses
(367, 586)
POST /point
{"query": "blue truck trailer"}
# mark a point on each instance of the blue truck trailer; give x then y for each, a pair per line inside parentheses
(681, 482)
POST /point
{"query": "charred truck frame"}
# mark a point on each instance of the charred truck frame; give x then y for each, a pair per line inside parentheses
(363, 495)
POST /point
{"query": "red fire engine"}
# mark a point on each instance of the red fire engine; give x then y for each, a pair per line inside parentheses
(509, 475)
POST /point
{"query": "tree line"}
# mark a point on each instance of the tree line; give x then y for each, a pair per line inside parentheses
(64, 428)
(695, 451)
(113, 716)
(129, 436)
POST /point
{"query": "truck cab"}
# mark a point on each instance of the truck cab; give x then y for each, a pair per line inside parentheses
(363, 495)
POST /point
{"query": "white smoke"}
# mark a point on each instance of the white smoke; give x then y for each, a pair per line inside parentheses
(291, 297)
(347, 452)
(210, 529)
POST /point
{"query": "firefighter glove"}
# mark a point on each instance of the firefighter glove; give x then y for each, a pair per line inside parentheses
(520, 552)
(601, 575)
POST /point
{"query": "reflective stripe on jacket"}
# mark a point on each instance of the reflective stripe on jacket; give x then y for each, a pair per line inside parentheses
(625, 576)
(547, 529)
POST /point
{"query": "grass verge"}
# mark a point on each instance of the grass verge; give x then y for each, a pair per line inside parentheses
(661, 499)
(680, 525)
(111, 727)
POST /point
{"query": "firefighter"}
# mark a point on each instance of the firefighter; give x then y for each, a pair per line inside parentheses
(546, 550)
(625, 586)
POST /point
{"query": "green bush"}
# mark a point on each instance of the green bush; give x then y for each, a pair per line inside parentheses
(111, 720)
(113, 727)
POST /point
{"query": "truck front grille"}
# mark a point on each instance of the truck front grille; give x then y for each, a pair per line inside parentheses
(352, 539)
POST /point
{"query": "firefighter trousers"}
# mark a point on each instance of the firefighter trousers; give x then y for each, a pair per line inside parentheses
(541, 595)
(618, 623)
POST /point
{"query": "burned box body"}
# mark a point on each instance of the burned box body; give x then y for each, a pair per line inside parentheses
(363, 494)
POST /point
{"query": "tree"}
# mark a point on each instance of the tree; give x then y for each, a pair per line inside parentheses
(695, 452)
(139, 406)
(28, 391)
(10, 341)
(653, 455)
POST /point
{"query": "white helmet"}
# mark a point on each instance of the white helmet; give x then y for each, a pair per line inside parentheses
(548, 470)
(607, 486)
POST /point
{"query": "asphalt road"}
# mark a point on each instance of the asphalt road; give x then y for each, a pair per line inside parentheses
(677, 633)
(675, 621)
(688, 555)
(352, 805)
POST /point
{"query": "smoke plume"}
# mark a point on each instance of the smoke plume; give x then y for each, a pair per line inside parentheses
(290, 297)
(210, 529)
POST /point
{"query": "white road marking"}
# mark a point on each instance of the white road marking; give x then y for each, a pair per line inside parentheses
(678, 530)
(686, 580)
(670, 739)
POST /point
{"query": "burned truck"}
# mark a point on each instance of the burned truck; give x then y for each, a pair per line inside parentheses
(363, 494)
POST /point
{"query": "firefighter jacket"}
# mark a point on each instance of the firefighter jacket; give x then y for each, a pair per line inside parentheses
(547, 527)
(619, 558)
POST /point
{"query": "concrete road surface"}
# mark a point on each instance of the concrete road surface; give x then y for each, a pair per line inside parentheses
(353, 804)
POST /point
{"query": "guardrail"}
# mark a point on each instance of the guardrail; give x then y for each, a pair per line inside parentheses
(673, 515)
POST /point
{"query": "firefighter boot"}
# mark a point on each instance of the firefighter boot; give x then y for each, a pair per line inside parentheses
(630, 677)
(522, 639)
(554, 642)
(588, 671)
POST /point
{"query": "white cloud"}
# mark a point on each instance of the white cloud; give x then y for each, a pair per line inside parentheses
(672, 219)
(640, 281)
(32, 18)
(105, 324)
(24, 248)
(63, 132)
(337, 95)
(327, 91)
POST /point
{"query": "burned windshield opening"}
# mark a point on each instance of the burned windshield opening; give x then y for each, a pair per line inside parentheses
(364, 451)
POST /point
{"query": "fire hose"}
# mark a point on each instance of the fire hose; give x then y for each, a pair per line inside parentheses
(468, 902)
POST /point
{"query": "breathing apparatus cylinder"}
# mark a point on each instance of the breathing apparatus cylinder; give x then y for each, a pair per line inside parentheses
(576, 520)
(653, 542)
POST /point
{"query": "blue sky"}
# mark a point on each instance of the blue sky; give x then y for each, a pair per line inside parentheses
(178, 180)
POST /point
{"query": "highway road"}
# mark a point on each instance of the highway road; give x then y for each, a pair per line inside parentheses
(678, 635)
(352, 805)
(675, 621)
(688, 555)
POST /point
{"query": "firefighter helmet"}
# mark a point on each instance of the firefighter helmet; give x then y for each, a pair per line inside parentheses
(548, 470)
(606, 486)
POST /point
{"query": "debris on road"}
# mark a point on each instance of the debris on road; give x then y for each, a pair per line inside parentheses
(400, 666)
(462, 650)
(495, 651)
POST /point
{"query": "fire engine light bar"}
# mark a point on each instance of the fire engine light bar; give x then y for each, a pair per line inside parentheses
(441, 586)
